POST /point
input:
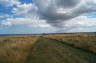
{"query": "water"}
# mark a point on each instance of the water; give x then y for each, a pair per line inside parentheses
(3, 35)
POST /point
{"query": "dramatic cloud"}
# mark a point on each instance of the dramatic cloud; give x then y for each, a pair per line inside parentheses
(65, 15)
(58, 11)
(67, 3)
(76, 24)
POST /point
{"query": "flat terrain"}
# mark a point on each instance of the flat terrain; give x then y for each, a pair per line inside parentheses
(86, 41)
(15, 49)
(48, 49)
(53, 51)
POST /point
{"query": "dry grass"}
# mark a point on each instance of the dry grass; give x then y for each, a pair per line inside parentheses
(15, 49)
(81, 40)
(28, 49)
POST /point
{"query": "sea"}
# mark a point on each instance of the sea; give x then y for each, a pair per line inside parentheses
(4, 35)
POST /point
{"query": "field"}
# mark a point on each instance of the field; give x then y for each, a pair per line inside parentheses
(49, 48)
(86, 41)
(15, 49)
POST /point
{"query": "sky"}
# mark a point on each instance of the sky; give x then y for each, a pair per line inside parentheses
(47, 16)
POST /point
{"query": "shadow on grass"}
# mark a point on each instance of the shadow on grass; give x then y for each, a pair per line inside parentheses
(47, 50)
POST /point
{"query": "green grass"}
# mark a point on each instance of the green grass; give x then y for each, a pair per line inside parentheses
(53, 51)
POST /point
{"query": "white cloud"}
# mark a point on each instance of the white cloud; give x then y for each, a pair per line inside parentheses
(4, 15)
(25, 21)
(63, 14)
(25, 9)
(79, 24)
(81, 21)
(57, 11)
(9, 3)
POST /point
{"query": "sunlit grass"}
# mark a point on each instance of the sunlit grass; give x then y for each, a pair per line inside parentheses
(15, 49)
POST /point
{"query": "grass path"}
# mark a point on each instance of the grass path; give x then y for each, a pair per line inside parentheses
(52, 51)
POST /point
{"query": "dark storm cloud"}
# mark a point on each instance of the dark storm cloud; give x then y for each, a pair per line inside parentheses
(48, 10)
(67, 3)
